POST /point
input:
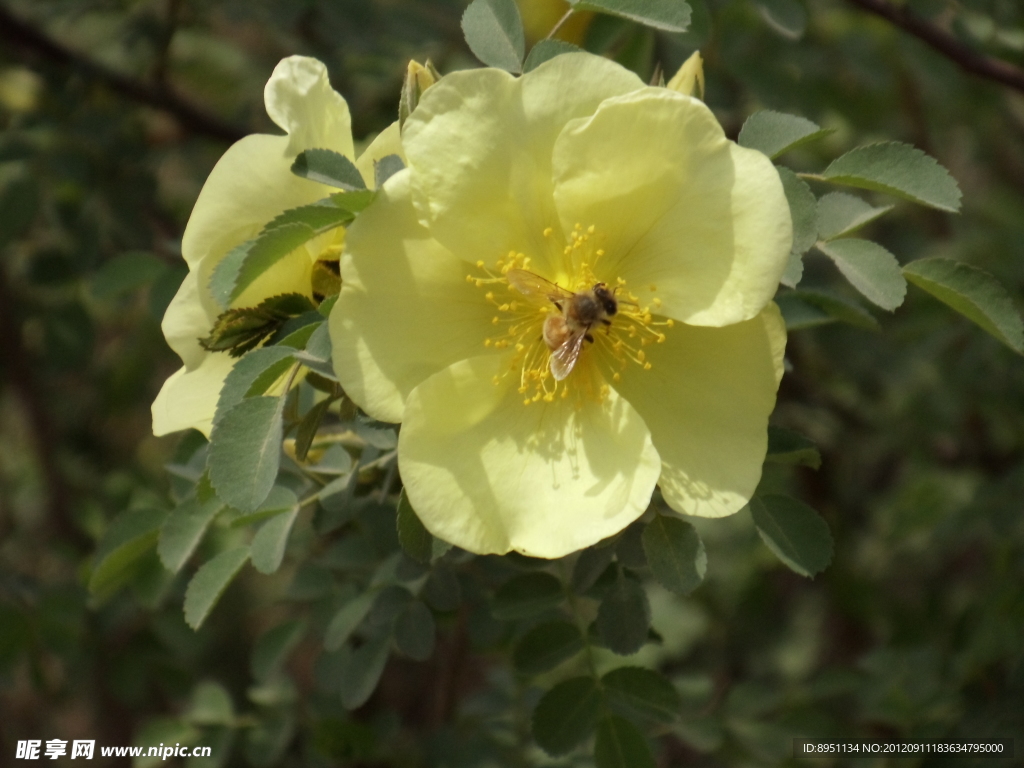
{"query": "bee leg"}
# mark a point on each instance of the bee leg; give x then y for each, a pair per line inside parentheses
(606, 321)
(558, 304)
(588, 337)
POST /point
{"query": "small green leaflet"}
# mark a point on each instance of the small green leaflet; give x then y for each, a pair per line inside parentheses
(129, 536)
(897, 169)
(494, 32)
(666, 15)
(526, 595)
(621, 745)
(545, 50)
(803, 209)
(642, 693)
(546, 646)
(385, 168)
(253, 375)
(183, 530)
(210, 704)
(321, 216)
(788, 447)
(675, 554)
(348, 617)
(787, 17)
(566, 715)
(624, 616)
(242, 329)
(807, 308)
(328, 167)
(840, 214)
(870, 268)
(362, 671)
(273, 646)
(245, 452)
(415, 631)
(794, 532)
(775, 133)
(271, 540)
(973, 293)
(210, 582)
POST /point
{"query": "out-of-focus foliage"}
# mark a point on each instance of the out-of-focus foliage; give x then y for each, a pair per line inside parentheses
(916, 630)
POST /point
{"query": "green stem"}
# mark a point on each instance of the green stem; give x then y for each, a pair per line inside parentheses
(813, 177)
(570, 596)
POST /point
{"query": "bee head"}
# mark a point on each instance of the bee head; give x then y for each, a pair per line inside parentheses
(607, 299)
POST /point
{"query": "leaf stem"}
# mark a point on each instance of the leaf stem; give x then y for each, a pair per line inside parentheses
(812, 177)
(561, 21)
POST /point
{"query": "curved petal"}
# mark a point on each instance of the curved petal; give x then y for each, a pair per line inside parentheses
(405, 310)
(480, 144)
(188, 399)
(490, 475)
(679, 208)
(185, 322)
(707, 399)
(387, 142)
(299, 98)
(250, 185)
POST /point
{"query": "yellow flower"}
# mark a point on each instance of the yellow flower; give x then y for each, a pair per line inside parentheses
(578, 174)
(250, 185)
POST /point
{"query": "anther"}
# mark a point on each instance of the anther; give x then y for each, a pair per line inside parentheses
(548, 231)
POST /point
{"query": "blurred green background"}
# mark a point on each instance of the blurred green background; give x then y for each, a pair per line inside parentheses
(113, 112)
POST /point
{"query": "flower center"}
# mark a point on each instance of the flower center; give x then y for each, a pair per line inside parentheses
(575, 328)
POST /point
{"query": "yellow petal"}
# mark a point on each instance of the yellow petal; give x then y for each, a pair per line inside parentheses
(480, 145)
(707, 398)
(387, 142)
(490, 475)
(405, 310)
(299, 98)
(677, 206)
(188, 399)
(185, 322)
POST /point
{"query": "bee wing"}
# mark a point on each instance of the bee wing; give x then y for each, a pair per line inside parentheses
(534, 285)
(564, 357)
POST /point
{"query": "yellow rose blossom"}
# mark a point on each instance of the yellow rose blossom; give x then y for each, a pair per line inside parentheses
(578, 174)
(249, 186)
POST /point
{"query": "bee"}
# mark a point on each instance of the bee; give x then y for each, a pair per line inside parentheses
(565, 333)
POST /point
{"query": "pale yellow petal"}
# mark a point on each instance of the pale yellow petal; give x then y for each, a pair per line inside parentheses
(387, 142)
(185, 322)
(299, 98)
(491, 475)
(250, 185)
(405, 310)
(682, 213)
(188, 399)
(707, 399)
(480, 145)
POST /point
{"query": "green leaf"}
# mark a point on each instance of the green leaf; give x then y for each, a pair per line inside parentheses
(354, 201)
(328, 167)
(973, 293)
(385, 168)
(840, 214)
(128, 537)
(526, 595)
(624, 616)
(125, 273)
(787, 17)
(415, 631)
(775, 133)
(321, 216)
(273, 646)
(590, 564)
(566, 715)
(362, 670)
(794, 271)
(210, 704)
(788, 447)
(252, 375)
(279, 500)
(266, 250)
(545, 50)
(241, 329)
(245, 452)
(794, 532)
(803, 209)
(210, 582)
(415, 539)
(620, 744)
(494, 32)
(639, 692)
(271, 540)
(309, 426)
(666, 15)
(345, 621)
(827, 308)
(675, 554)
(183, 530)
(870, 268)
(897, 169)
(546, 646)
